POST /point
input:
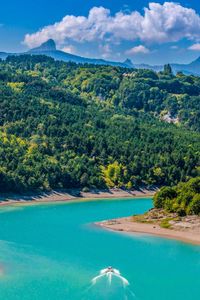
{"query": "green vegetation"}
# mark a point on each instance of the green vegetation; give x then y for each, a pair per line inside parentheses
(159, 217)
(183, 198)
(64, 125)
(165, 223)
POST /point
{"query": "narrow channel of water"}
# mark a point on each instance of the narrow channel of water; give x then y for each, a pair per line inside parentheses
(53, 252)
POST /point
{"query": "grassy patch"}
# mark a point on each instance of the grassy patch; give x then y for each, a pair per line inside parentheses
(165, 223)
(141, 219)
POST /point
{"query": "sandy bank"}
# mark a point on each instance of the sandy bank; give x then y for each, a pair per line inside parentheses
(184, 231)
(74, 194)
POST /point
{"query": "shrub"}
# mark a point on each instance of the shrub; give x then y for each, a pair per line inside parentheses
(165, 193)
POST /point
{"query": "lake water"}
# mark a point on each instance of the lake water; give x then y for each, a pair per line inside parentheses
(51, 252)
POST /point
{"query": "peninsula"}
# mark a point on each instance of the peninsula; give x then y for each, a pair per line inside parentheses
(186, 229)
(176, 214)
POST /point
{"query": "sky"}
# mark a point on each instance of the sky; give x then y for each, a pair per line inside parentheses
(153, 32)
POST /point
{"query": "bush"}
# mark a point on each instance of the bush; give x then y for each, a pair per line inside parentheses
(86, 189)
(165, 193)
(194, 206)
(183, 199)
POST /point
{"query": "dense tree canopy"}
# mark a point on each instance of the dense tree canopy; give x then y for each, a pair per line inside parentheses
(183, 198)
(67, 125)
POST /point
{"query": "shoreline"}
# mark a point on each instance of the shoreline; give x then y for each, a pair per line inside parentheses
(72, 195)
(127, 225)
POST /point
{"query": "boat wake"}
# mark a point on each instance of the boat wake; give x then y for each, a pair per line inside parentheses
(110, 273)
(109, 284)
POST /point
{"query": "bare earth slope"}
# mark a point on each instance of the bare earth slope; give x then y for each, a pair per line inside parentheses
(73, 194)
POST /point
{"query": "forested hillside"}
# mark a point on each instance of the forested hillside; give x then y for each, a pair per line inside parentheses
(65, 125)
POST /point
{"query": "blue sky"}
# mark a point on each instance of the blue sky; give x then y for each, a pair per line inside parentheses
(114, 30)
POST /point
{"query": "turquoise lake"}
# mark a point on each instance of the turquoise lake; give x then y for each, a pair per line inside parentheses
(52, 252)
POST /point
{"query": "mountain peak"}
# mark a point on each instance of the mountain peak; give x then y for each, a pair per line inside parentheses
(128, 62)
(197, 60)
(49, 45)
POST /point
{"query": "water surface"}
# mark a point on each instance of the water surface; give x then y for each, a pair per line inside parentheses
(51, 252)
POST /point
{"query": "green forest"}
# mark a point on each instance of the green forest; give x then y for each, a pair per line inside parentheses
(183, 198)
(64, 125)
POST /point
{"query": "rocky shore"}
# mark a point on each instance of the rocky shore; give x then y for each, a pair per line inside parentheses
(73, 194)
(158, 222)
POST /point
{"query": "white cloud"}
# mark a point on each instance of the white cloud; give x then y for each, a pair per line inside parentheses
(175, 47)
(69, 49)
(138, 50)
(160, 23)
(195, 47)
(170, 22)
(106, 51)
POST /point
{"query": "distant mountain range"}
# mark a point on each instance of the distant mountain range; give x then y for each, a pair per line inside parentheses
(49, 48)
(191, 68)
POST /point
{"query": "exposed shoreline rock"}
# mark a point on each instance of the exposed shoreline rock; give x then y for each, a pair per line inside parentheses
(159, 223)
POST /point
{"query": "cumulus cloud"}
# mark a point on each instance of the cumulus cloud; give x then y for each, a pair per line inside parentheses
(138, 50)
(175, 47)
(105, 51)
(160, 23)
(195, 47)
(69, 49)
